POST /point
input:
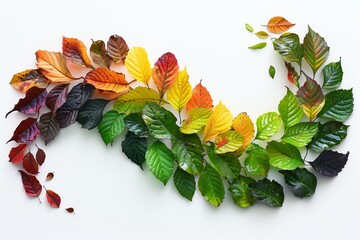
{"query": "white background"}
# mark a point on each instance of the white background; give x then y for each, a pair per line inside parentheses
(112, 197)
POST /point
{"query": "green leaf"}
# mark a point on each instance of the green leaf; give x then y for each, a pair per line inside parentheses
(135, 123)
(272, 71)
(257, 161)
(198, 117)
(184, 183)
(249, 27)
(258, 46)
(241, 193)
(227, 165)
(339, 105)
(91, 113)
(300, 134)
(211, 186)
(284, 155)
(229, 141)
(134, 147)
(289, 109)
(289, 47)
(262, 34)
(160, 161)
(268, 192)
(302, 181)
(267, 125)
(329, 135)
(160, 122)
(292, 75)
(316, 50)
(188, 153)
(333, 75)
(111, 126)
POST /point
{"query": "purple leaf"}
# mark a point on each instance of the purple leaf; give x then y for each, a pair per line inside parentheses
(57, 97)
(330, 163)
(49, 127)
(66, 116)
(26, 132)
(78, 95)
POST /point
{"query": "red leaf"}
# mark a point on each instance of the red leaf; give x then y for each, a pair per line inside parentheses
(57, 97)
(53, 198)
(33, 101)
(31, 184)
(292, 75)
(29, 163)
(70, 210)
(16, 154)
(26, 132)
(40, 156)
(49, 127)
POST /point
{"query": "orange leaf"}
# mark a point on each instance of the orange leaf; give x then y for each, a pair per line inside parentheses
(243, 125)
(165, 72)
(53, 66)
(27, 79)
(105, 79)
(279, 25)
(75, 52)
(201, 98)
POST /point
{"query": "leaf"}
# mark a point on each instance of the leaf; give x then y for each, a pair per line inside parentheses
(329, 135)
(272, 71)
(135, 100)
(241, 193)
(339, 105)
(17, 153)
(75, 52)
(330, 163)
(268, 192)
(134, 147)
(292, 75)
(284, 156)
(32, 103)
(249, 27)
(258, 46)
(138, 65)
(53, 198)
(300, 134)
(111, 126)
(200, 98)
(243, 125)
(180, 91)
(49, 176)
(160, 122)
(333, 75)
(289, 109)
(29, 163)
(278, 25)
(262, 34)
(316, 50)
(57, 97)
(267, 125)
(53, 66)
(188, 152)
(185, 183)
(289, 47)
(65, 116)
(117, 48)
(40, 156)
(257, 161)
(26, 132)
(220, 121)
(78, 95)
(70, 210)
(49, 127)
(198, 117)
(160, 161)
(31, 184)
(27, 79)
(99, 54)
(229, 141)
(211, 186)
(302, 181)
(135, 123)
(91, 113)
(105, 79)
(311, 98)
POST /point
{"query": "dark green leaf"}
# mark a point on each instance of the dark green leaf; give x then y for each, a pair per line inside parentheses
(241, 193)
(257, 162)
(268, 192)
(272, 71)
(339, 105)
(333, 75)
(249, 27)
(284, 156)
(91, 113)
(330, 163)
(289, 109)
(99, 54)
(135, 123)
(111, 126)
(211, 186)
(302, 181)
(289, 47)
(300, 134)
(134, 147)
(258, 46)
(184, 183)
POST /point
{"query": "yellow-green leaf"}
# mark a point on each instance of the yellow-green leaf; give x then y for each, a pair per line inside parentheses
(267, 125)
(243, 125)
(138, 65)
(180, 91)
(262, 34)
(198, 117)
(229, 141)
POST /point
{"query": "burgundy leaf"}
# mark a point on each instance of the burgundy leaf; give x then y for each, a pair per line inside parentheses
(57, 97)
(29, 163)
(31, 184)
(53, 198)
(16, 154)
(49, 127)
(66, 116)
(40, 156)
(330, 163)
(49, 176)
(79, 94)
(70, 210)
(26, 132)
(32, 103)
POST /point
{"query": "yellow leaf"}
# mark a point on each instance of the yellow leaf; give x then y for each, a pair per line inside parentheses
(219, 122)
(229, 141)
(105, 79)
(243, 125)
(27, 79)
(198, 117)
(138, 65)
(180, 91)
(53, 66)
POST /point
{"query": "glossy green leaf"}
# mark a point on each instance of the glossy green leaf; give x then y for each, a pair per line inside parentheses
(241, 193)
(134, 147)
(91, 113)
(272, 71)
(111, 126)
(333, 75)
(268, 192)
(302, 181)
(184, 183)
(289, 109)
(258, 46)
(339, 105)
(267, 125)
(135, 123)
(257, 161)
(284, 156)
(289, 47)
(300, 134)
(262, 34)
(211, 186)
(228, 141)
(160, 161)
(249, 27)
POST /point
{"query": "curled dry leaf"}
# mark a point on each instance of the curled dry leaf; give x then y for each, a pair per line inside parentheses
(29, 163)
(49, 176)
(16, 154)
(278, 25)
(27, 79)
(75, 52)
(26, 132)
